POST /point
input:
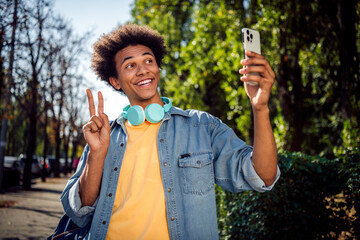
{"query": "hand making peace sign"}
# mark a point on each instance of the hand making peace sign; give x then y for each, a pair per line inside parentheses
(97, 129)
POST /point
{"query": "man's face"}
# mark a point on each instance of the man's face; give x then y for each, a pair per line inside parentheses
(138, 75)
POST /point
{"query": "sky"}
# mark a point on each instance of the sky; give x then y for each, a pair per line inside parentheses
(99, 17)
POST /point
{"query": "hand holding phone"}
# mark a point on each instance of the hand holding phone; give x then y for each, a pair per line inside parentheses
(251, 42)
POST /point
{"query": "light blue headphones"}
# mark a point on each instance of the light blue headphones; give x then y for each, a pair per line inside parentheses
(154, 112)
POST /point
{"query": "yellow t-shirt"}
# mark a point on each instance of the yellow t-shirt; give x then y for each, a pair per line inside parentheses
(139, 209)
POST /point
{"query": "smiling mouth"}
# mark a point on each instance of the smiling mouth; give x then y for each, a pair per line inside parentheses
(144, 82)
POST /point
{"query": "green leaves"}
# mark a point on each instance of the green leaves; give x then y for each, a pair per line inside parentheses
(313, 199)
(205, 49)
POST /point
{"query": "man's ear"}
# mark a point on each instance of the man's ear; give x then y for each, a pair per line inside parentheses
(115, 83)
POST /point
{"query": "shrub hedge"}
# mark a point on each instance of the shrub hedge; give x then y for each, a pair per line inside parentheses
(314, 198)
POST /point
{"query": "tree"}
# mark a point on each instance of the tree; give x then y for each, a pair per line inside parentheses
(199, 72)
(75, 122)
(309, 70)
(46, 51)
(7, 87)
(62, 68)
(314, 104)
(34, 53)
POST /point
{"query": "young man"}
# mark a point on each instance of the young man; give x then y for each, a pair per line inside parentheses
(155, 179)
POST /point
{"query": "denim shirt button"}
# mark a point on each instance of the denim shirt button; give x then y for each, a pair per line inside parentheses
(115, 169)
(104, 222)
(172, 218)
(169, 189)
(121, 144)
(161, 140)
(110, 194)
(198, 162)
(165, 163)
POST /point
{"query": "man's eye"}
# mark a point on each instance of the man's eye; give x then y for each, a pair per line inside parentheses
(149, 61)
(129, 66)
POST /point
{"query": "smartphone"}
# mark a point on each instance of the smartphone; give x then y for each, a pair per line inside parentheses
(251, 42)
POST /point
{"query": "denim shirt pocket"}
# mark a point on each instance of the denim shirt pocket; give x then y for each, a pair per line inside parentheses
(197, 172)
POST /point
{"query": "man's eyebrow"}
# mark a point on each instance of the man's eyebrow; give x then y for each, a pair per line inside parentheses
(148, 53)
(125, 59)
(130, 57)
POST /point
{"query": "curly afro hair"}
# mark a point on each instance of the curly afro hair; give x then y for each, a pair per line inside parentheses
(105, 49)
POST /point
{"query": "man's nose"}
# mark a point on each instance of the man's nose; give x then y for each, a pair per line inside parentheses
(142, 70)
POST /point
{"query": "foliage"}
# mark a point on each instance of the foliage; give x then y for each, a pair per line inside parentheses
(317, 80)
(350, 169)
(201, 68)
(306, 203)
(315, 105)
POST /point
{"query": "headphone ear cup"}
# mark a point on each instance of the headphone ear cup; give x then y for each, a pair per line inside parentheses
(154, 113)
(136, 115)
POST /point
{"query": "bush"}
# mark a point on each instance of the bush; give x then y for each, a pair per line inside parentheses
(311, 200)
(350, 169)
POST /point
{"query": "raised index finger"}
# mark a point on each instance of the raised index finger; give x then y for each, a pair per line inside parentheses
(91, 102)
(100, 103)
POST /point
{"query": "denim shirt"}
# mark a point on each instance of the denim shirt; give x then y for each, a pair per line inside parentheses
(196, 151)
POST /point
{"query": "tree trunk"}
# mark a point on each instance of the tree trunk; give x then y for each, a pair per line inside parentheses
(66, 150)
(346, 20)
(291, 102)
(4, 121)
(32, 130)
(297, 105)
(57, 149)
(46, 143)
(2, 70)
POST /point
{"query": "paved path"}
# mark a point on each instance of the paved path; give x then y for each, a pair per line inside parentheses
(34, 214)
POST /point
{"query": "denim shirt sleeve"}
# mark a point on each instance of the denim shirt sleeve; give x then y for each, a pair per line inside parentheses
(253, 178)
(75, 202)
(70, 197)
(233, 167)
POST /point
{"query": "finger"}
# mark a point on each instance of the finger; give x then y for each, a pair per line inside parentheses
(261, 70)
(257, 78)
(100, 103)
(251, 78)
(105, 121)
(91, 102)
(251, 54)
(93, 127)
(253, 69)
(261, 62)
(254, 61)
(90, 126)
(97, 120)
(270, 71)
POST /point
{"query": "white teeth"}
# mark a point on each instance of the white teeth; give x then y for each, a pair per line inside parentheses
(144, 82)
